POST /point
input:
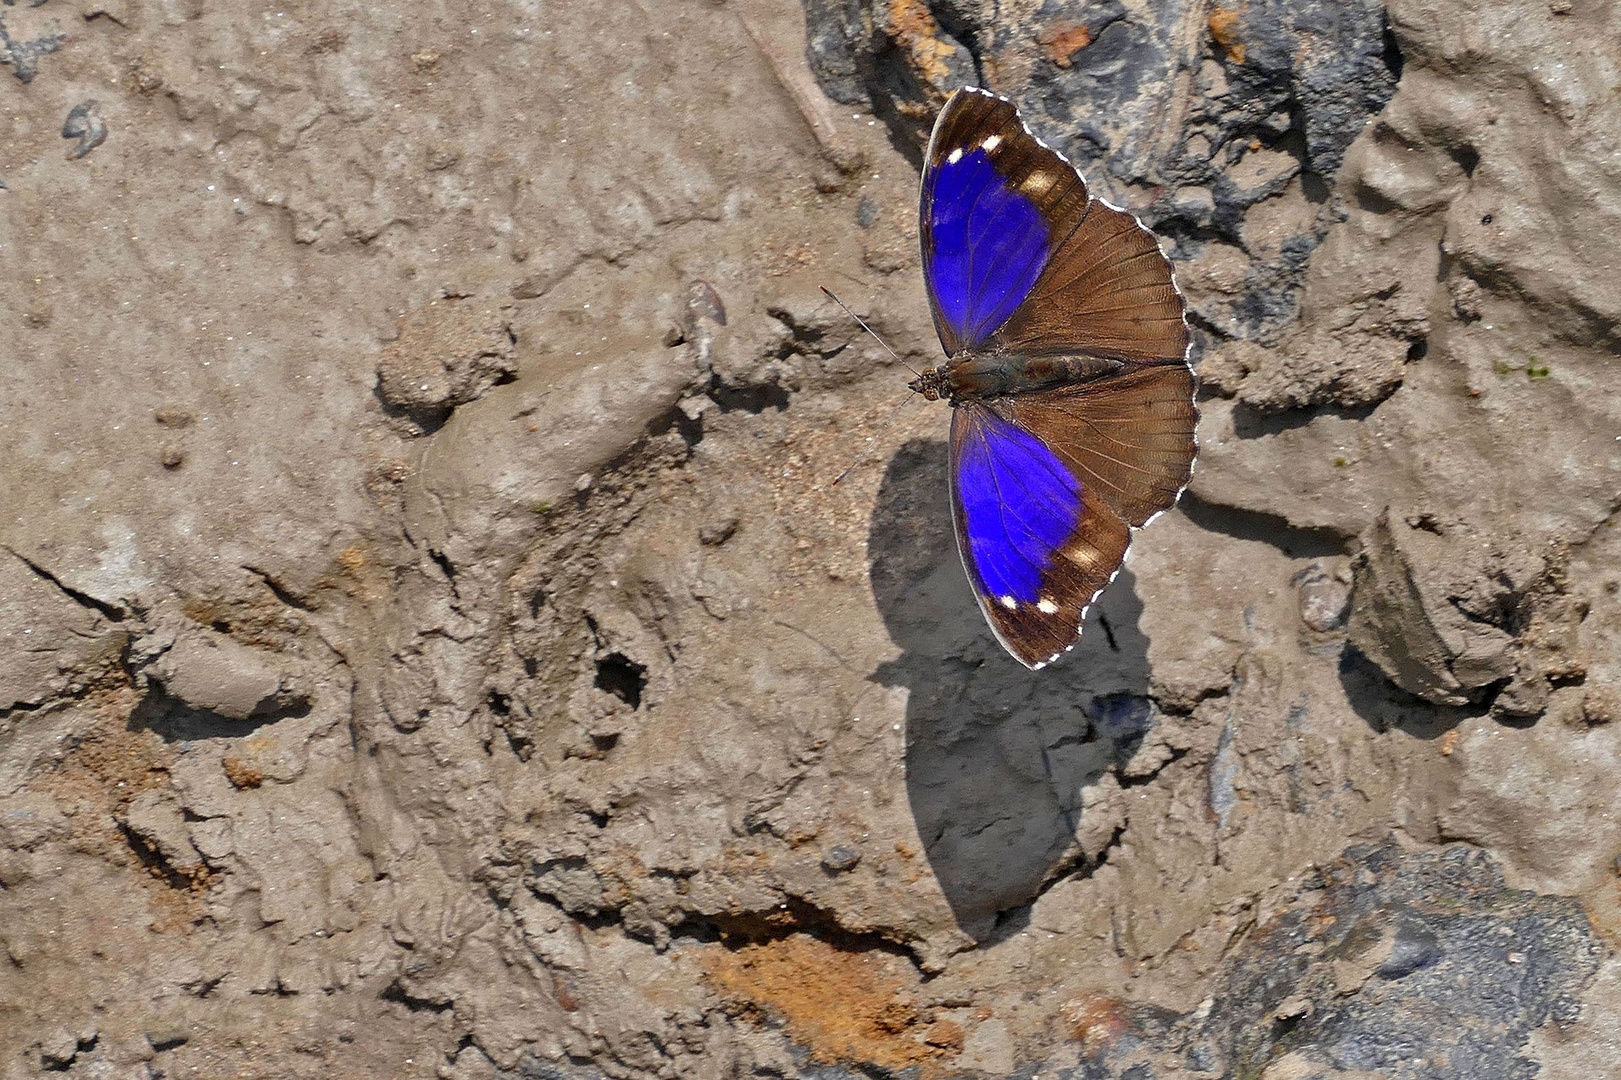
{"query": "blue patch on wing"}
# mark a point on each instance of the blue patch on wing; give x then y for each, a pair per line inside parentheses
(1019, 504)
(989, 245)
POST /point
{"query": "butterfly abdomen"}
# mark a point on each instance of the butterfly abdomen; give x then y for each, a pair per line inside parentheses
(982, 376)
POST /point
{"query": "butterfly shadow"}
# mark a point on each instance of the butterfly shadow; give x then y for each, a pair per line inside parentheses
(999, 759)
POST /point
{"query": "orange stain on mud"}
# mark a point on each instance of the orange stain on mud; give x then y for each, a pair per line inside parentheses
(914, 29)
(1224, 28)
(1061, 41)
(841, 1005)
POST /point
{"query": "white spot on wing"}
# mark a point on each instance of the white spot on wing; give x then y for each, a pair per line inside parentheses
(991, 143)
(1046, 606)
(954, 157)
(1008, 602)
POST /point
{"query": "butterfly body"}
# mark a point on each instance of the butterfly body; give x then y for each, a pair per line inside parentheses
(988, 375)
(1073, 411)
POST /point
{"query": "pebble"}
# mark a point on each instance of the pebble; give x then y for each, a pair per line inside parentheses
(84, 123)
(1325, 599)
(840, 858)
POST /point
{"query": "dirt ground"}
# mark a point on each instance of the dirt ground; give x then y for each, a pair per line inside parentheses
(435, 644)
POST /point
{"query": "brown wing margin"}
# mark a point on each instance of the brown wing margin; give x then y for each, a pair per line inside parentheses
(1128, 437)
(1027, 165)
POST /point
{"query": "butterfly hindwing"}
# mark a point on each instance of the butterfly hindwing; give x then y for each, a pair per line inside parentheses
(1127, 438)
(1037, 544)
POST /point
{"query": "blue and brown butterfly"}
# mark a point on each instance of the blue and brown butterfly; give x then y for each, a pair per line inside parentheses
(1073, 402)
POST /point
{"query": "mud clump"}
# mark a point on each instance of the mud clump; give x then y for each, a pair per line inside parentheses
(446, 355)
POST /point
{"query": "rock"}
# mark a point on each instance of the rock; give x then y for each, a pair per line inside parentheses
(1292, 1009)
(840, 858)
(1403, 618)
(30, 819)
(1297, 86)
(1325, 598)
(716, 533)
(58, 1049)
(1601, 704)
(1450, 912)
(156, 820)
(85, 124)
(1414, 947)
(212, 673)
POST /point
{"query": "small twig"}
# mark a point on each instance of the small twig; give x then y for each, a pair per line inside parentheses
(801, 86)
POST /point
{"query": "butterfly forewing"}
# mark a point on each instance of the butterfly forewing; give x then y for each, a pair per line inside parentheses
(1107, 291)
(1102, 286)
(992, 210)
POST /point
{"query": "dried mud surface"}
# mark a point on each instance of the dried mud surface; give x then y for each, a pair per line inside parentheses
(435, 644)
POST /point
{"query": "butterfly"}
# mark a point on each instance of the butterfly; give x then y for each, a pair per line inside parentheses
(1072, 399)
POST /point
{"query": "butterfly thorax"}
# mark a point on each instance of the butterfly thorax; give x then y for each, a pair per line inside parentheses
(980, 376)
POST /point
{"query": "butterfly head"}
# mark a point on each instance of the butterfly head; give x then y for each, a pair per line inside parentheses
(932, 384)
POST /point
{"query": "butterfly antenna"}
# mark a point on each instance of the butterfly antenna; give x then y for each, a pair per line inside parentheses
(868, 329)
(909, 396)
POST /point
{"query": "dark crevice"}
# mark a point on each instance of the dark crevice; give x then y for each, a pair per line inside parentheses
(1392, 53)
(1011, 921)
(1140, 781)
(446, 567)
(1108, 632)
(174, 721)
(966, 34)
(1297, 542)
(521, 745)
(1251, 423)
(152, 859)
(689, 428)
(280, 989)
(280, 591)
(749, 399)
(400, 996)
(803, 335)
(111, 612)
(796, 916)
(203, 988)
(1467, 158)
(428, 418)
(1383, 705)
(622, 677)
(1418, 349)
(1374, 203)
